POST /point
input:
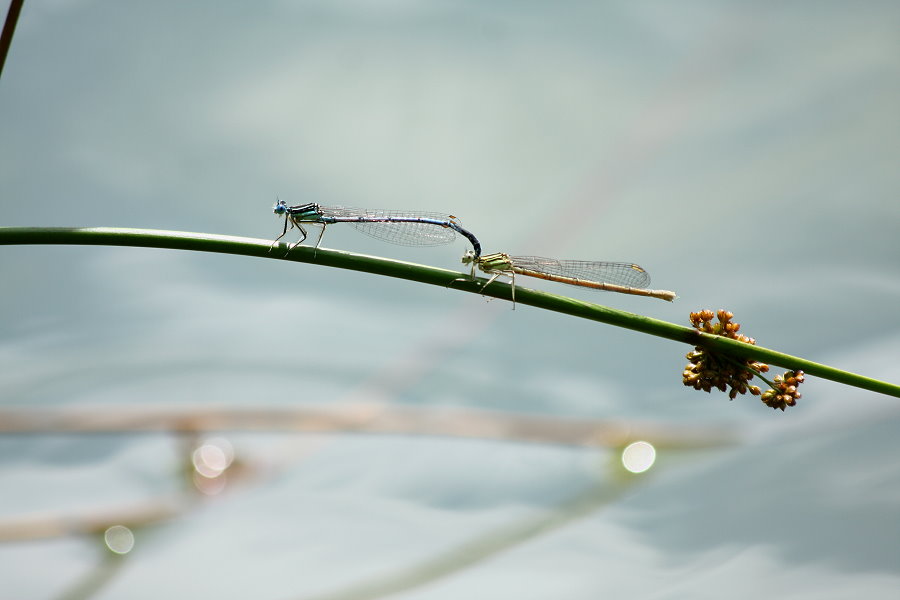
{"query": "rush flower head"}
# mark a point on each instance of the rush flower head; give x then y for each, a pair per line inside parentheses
(707, 369)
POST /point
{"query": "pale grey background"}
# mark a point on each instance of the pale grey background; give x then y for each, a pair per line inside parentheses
(746, 155)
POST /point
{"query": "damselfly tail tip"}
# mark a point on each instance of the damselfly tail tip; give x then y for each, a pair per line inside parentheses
(666, 295)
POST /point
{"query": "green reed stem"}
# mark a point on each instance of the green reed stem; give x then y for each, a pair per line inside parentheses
(203, 242)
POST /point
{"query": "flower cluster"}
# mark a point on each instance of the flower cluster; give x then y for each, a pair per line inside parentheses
(784, 391)
(707, 370)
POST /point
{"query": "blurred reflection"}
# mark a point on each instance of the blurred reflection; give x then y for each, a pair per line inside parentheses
(119, 539)
(638, 456)
(211, 459)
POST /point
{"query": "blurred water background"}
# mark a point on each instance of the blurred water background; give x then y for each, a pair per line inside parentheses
(745, 154)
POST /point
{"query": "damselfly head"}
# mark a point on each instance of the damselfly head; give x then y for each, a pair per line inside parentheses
(280, 207)
(468, 257)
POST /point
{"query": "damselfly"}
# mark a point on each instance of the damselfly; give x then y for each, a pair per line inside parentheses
(406, 228)
(625, 278)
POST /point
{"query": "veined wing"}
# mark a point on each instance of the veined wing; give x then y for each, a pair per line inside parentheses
(405, 228)
(617, 273)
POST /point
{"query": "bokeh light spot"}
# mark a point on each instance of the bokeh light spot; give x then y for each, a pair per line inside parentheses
(213, 457)
(119, 539)
(637, 457)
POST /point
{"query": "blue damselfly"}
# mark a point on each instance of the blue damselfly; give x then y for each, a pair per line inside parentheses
(406, 228)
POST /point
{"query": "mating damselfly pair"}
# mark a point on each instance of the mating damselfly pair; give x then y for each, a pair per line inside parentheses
(411, 228)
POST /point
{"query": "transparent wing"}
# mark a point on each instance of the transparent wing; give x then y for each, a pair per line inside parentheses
(405, 228)
(618, 273)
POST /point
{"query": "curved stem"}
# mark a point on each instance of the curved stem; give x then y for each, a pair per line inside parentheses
(204, 242)
(744, 365)
(761, 376)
